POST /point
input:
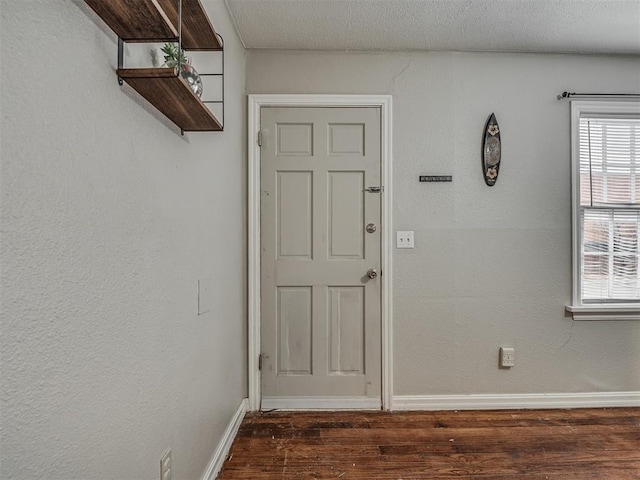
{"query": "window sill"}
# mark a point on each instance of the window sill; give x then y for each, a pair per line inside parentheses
(604, 312)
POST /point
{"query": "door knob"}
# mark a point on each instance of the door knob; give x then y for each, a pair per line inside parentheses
(371, 273)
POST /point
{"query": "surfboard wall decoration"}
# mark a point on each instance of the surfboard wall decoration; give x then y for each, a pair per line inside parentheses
(491, 151)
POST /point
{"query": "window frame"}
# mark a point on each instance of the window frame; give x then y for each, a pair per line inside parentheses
(579, 309)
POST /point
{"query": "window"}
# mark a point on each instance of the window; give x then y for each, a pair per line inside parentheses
(606, 210)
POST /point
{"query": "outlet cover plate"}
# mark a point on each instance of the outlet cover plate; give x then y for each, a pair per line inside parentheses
(507, 357)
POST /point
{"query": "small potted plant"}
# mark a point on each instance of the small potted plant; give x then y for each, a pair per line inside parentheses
(173, 57)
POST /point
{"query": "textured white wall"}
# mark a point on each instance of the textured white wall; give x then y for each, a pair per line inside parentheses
(109, 218)
(491, 266)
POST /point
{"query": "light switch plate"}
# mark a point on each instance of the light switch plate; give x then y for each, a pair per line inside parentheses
(404, 239)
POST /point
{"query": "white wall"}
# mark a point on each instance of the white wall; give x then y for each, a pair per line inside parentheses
(109, 218)
(491, 266)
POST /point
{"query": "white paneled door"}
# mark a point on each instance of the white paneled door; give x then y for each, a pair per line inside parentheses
(320, 256)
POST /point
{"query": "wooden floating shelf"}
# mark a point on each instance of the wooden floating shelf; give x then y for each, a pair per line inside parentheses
(157, 21)
(135, 20)
(197, 31)
(172, 96)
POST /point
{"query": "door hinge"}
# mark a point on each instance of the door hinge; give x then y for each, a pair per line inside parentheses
(260, 362)
(260, 138)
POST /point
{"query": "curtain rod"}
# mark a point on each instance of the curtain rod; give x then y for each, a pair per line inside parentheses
(568, 95)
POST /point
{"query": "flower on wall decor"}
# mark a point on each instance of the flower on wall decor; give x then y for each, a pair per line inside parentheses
(492, 173)
(493, 129)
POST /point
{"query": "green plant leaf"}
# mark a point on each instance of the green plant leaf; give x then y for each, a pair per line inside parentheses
(171, 55)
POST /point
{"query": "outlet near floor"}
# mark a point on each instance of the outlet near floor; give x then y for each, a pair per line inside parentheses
(507, 357)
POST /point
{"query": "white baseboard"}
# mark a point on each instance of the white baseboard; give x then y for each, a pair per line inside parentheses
(510, 401)
(224, 445)
(321, 403)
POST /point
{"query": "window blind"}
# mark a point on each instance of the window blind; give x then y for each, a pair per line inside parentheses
(610, 208)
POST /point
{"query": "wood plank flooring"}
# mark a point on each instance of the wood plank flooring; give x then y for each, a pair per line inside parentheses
(583, 444)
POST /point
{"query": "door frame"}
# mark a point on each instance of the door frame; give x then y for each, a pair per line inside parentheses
(255, 103)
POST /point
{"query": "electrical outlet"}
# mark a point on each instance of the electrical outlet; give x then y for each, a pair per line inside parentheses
(165, 466)
(507, 357)
(404, 239)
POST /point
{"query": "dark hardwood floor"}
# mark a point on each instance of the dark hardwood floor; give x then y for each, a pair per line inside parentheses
(583, 444)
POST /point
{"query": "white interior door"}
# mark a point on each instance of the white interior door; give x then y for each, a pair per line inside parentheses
(320, 296)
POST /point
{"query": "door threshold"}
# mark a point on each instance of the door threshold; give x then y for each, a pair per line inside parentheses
(321, 403)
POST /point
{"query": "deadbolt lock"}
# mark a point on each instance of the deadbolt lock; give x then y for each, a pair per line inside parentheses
(371, 228)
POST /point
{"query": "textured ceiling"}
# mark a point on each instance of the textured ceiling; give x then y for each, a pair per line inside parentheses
(550, 26)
